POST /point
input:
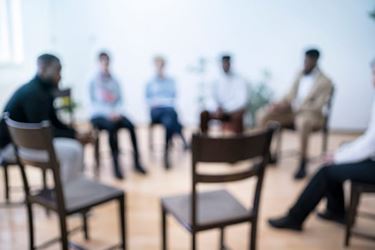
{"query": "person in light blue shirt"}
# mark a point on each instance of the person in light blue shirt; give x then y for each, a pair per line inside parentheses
(161, 98)
(107, 112)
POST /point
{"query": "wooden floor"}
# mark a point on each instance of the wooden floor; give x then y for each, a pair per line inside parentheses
(144, 213)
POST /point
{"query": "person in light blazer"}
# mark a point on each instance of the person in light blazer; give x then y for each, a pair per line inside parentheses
(302, 106)
(353, 161)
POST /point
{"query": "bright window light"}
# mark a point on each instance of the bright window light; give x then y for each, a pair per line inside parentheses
(11, 47)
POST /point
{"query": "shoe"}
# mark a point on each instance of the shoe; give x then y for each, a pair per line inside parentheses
(330, 216)
(273, 160)
(140, 169)
(301, 172)
(118, 174)
(285, 223)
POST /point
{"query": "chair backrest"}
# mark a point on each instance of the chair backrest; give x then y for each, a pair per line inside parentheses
(33, 146)
(64, 102)
(252, 147)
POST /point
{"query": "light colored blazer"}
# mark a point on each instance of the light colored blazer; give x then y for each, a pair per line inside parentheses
(317, 98)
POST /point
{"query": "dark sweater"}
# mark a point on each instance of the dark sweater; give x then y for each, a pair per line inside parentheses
(33, 103)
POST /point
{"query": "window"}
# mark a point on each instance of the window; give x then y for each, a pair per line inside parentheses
(11, 48)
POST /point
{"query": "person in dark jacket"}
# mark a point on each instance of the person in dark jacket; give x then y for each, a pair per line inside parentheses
(33, 103)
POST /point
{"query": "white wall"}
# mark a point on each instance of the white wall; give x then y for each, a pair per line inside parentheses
(260, 34)
(37, 39)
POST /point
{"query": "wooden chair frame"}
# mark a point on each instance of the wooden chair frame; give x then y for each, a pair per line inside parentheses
(224, 150)
(38, 136)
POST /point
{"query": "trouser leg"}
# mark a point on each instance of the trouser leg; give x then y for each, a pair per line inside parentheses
(126, 123)
(311, 196)
(103, 123)
(304, 128)
(70, 155)
(266, 115)
(335, 198)
(327, 182)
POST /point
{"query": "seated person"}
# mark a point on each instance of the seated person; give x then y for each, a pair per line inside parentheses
(107, 113)
(302, 106)
(228, 99)
(33, 103)
(354, 161)
(161, 98)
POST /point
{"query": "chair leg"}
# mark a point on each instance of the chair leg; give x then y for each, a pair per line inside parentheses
(222, 239)
(97, 155)
(150, 138)
(163, 228)
(63, 232)
(352, 213)
(324, 141)
(6, 184)
(253, 235)
(193, 240)
(122, 211)
(277, 153)
(85, 226)
(44, 178)
(44, 181)
(31, 225)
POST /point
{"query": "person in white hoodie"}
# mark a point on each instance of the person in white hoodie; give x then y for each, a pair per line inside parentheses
(354, 161)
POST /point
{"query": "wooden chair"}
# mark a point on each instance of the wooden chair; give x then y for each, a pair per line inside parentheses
(357, 189)
(324, 129)
(199, 211)
(33, 146)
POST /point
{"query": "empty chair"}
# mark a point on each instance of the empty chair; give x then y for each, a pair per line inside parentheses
(199, 211)
(33, 145)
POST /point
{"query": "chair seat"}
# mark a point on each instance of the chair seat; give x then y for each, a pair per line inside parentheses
(80, 194)
(214, 208)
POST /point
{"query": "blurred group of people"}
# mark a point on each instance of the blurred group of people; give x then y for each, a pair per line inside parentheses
(228, 101)
(302, 107)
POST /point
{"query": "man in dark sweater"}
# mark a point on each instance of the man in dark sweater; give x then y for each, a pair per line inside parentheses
(33, 103)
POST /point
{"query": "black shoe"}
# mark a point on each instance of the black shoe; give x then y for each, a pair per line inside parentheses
(273, 160)
(118, 174)
(285, 223)
(330, 216)
(140, 169)
(301, 172)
